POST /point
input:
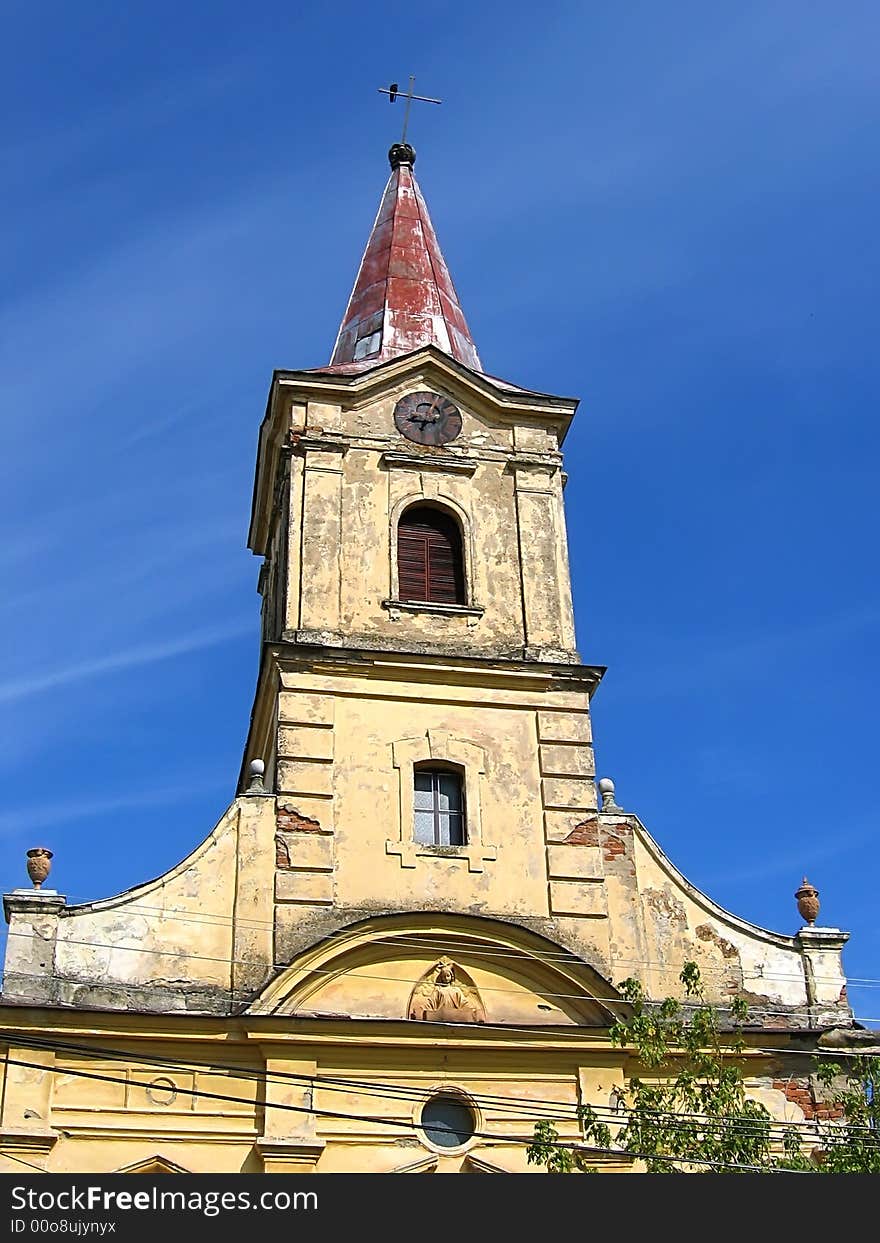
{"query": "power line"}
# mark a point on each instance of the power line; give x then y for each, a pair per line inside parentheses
(184, 956)
(821, 1053)
(397, 1091)
(552, 1030)
(200, 917)
(414, 939)
(329, 1082)
(516, 1139)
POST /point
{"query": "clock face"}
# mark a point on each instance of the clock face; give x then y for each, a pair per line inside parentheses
(427, 418)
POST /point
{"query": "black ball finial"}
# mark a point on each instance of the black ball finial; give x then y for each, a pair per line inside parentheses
(401, 153)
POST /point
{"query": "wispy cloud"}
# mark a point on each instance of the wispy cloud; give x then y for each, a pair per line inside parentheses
(17, 689)
(45, 815)
(792, 862)
(128, 563)
(49, 152)
(136, 310)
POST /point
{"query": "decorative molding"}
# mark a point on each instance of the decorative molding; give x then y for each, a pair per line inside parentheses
(440, 745)
(446, 463)
(425, 606)
(33, 902)
(476, 856)
(322, 444)
(289, 1156)
(38, 1143)
(550, 462)
(477, 1165)
(425, 1165)
(153, 1165)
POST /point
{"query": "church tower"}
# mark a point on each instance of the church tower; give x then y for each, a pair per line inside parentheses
(400, 945)
(422, 712)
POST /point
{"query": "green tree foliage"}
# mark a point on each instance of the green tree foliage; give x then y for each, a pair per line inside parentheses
(690, 1112)
(854, 1148)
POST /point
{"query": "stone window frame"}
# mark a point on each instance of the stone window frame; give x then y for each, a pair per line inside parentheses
(436, 500)
(449, 769)
(449, 1089)
(439, 747)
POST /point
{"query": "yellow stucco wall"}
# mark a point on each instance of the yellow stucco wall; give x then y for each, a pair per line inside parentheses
(289, 942)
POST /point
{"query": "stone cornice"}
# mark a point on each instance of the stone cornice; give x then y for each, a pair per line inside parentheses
(446, 462)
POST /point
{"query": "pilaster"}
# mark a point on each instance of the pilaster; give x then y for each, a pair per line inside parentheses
(289, 1143)
(546, 592)
(823, 973)
(321, 549)
(32, 915)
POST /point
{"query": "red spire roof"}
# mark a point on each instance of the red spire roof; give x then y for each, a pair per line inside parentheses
(403, 297)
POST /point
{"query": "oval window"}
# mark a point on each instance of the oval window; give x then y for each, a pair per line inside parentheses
(447, 1120)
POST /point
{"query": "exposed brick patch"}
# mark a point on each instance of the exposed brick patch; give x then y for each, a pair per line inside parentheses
(829, 1113)
(584, 834)
(613, 847)
(706, 933)
(282, 853)
(290, 820)
(799, 1092)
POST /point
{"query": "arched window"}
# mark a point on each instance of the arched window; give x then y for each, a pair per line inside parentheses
(438, 801)
(429, 557)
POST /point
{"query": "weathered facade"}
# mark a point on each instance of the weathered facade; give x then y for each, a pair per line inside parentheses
(416, 907)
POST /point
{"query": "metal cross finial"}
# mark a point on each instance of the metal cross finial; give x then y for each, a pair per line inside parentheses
(392, 92)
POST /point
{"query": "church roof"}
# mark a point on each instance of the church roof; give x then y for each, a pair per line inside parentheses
(403, 297)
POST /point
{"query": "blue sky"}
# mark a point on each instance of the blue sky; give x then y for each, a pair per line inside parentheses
(668, 210)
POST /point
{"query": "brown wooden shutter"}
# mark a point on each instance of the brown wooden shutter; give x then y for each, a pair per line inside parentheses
(429, 561)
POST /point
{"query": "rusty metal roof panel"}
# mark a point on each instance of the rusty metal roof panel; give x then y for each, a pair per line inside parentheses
(403, 297)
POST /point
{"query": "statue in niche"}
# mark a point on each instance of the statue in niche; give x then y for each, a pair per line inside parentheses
(446, 994)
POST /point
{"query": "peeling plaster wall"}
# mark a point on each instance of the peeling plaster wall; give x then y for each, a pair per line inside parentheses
(334, 845)
(666, 921)
(352, 473)
(359, 688)
(196, 938)
(145, 1112)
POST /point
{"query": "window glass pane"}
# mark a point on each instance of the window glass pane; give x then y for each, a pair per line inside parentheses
(424, 826)
(447, 1122)
(456, 829)
(423, 793)
(438, 805)
(450, 792)
(451, 828)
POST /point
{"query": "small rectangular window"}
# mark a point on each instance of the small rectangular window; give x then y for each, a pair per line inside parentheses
(438, 804)
(367, 346)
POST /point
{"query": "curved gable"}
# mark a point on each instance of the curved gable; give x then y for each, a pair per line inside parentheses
(463, 968)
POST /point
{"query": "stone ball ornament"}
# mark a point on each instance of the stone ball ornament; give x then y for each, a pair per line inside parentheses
(256, 773)
(606, 788)
(39, 865)
(808, 901)
(401, 153)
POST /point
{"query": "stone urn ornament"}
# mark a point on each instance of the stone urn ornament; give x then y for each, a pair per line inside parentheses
(808, 901)
(39, 865)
